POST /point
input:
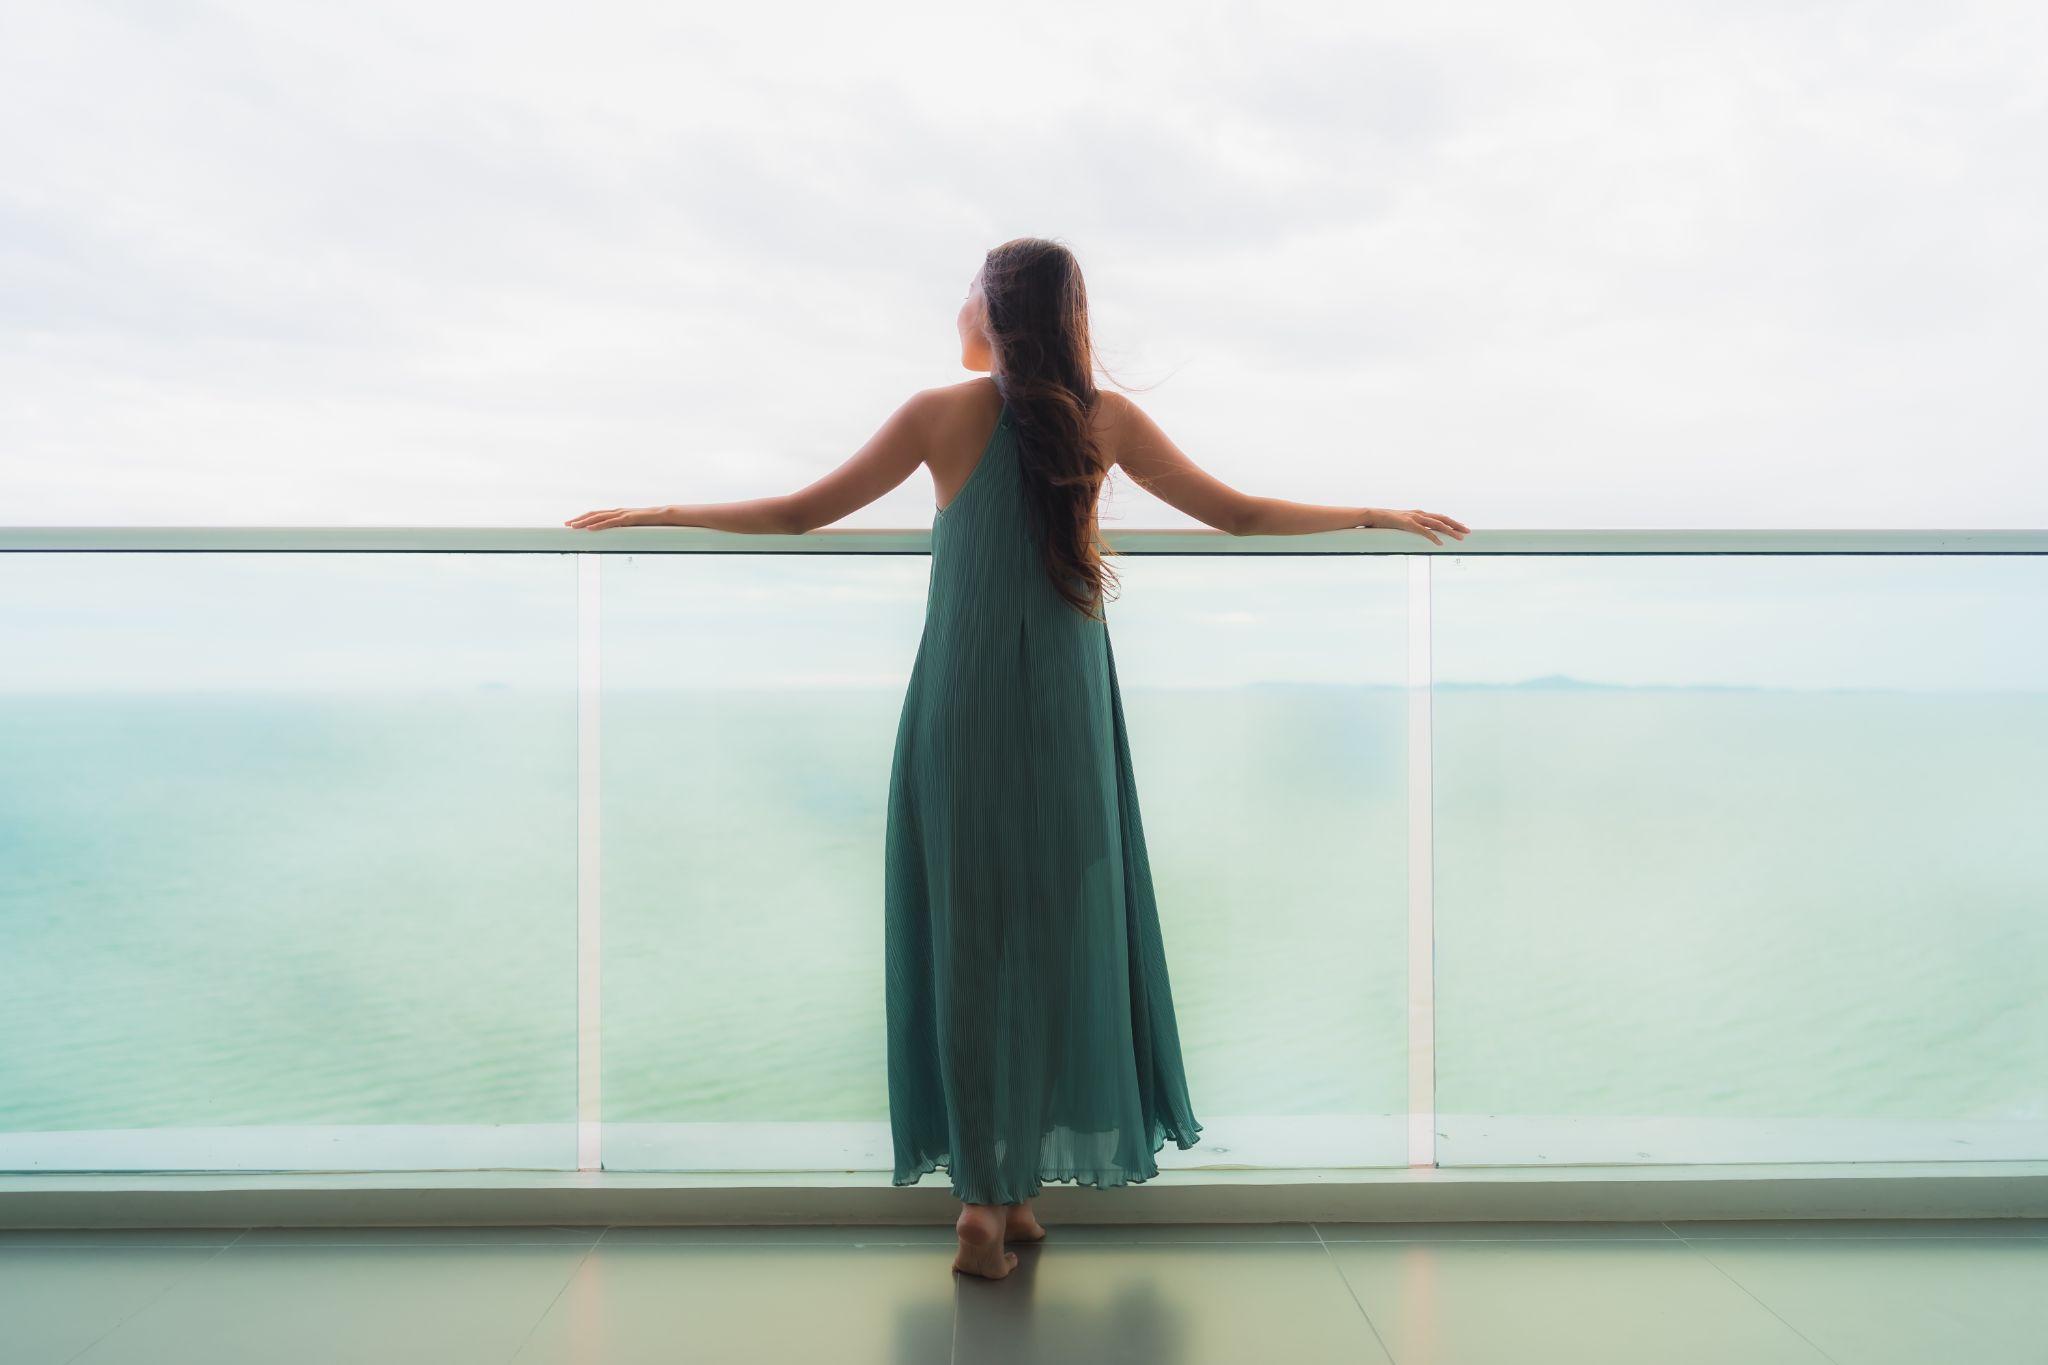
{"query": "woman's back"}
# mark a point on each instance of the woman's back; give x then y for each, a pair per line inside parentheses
(965, 419)
(991, 604)
(1031, 1024)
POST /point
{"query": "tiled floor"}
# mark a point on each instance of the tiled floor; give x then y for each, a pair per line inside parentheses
(1415, 1294)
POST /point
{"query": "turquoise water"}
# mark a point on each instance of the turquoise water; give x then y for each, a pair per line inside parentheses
(248, 909)
(1743, 904)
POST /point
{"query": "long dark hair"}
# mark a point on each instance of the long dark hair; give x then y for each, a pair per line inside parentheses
(1038, 327)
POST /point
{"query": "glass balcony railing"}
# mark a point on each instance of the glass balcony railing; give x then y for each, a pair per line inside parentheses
(332, 849)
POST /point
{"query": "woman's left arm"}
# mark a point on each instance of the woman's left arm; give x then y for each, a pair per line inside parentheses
(890, 456)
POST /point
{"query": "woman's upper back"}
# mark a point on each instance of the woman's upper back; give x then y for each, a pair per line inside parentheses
(993, 605)
(964, 421)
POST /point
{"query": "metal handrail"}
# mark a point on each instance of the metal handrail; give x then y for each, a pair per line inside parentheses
(890, 540)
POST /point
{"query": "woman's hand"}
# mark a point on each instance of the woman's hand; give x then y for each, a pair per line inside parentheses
(1415, 520)
(620, 516)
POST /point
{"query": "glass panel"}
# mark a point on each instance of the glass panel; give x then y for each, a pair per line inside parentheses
(1739, 859)
(287, 861)
(750, 712)
(1267, 703)
(750, 709)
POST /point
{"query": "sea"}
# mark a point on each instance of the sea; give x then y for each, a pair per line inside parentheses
(1690, 845)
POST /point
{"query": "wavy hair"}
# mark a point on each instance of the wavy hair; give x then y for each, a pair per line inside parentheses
(1038, 327)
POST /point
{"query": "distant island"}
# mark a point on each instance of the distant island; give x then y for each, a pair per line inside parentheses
(1548, 682)
(1565, 682)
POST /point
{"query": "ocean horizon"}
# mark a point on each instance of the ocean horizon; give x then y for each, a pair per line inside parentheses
(1715, 902)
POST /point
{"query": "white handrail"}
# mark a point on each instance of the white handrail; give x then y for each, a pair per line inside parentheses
(863, 540)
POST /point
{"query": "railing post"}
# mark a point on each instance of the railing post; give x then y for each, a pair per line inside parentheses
(589, 975)
(1421, 880)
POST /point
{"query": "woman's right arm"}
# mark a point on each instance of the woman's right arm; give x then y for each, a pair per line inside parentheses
(1161, 468)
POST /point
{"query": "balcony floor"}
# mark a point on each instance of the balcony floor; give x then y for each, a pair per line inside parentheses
(1911, 1290)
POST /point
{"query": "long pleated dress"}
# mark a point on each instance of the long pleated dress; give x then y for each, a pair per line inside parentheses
(1030, 1020)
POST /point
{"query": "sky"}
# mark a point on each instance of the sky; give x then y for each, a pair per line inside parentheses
(1562, 266)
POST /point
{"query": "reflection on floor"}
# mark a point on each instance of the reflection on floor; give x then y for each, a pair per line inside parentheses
(1852, 1293)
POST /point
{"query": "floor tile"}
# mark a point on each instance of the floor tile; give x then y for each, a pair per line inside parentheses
(1863, 1227)
(933, 1234)
(308, 1305)
(118, 1237)
(675, 1302)
(821, 1234)
(1492, 1232)
(422, 1236)
(1796, 1291)
(1117, 1234)
(1186, 1303)
(56, 1301)
(1867, 1301)
(1582, 1300)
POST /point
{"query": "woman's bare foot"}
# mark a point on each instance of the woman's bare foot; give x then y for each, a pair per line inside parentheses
(1020, 1223)
(980, 1227)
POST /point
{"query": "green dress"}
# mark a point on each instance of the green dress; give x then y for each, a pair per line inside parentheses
(1031, 1031)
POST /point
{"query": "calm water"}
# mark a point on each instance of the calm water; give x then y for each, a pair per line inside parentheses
(292, 909)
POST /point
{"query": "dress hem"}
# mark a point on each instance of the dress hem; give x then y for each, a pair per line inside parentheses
(1084, 1178)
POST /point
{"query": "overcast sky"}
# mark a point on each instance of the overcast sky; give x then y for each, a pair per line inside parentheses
(1584, 265)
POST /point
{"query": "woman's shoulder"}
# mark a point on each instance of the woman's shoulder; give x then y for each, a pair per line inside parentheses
(957, 411)
(1112, 409)
(954, 407)
(1113, 424)
(981, 390)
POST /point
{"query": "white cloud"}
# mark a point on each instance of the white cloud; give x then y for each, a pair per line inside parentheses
(1583, 265)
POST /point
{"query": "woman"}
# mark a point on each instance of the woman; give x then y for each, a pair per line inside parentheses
(1031, 1031)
